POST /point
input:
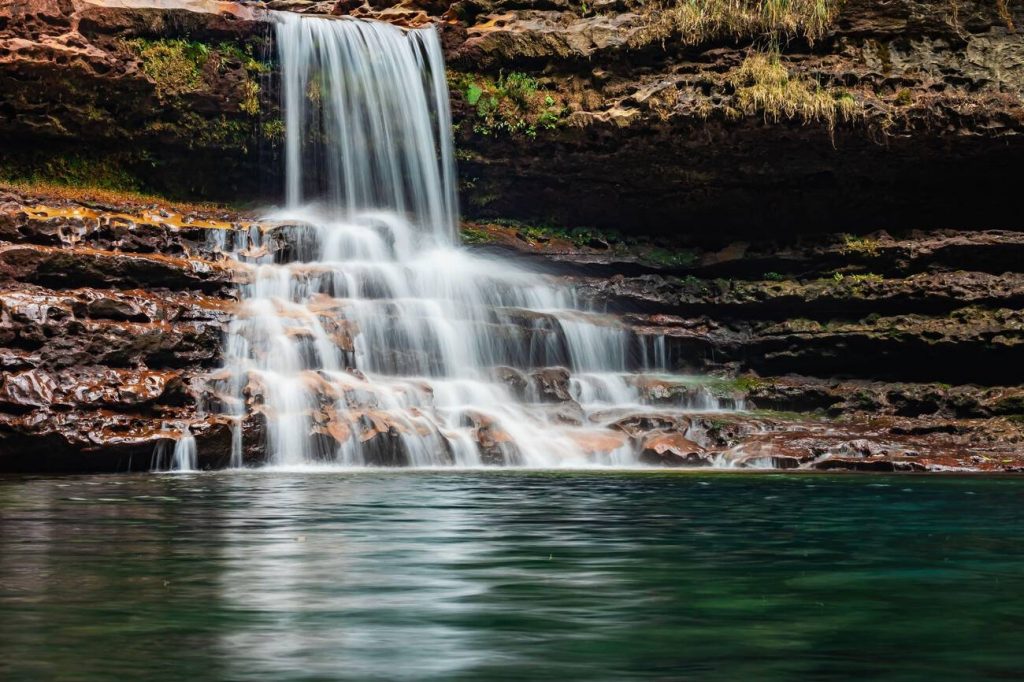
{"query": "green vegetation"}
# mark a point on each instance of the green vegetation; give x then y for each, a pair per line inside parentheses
(179, 66)
(230, 52)
(251, 98)
(774, 277)
(199, 131)
(273, 130)
(736, 386)
(512, 104)
(579, 236)
(670, 257)
(588, 237)
(175, 66)
(72, 170)
(860, 245)
(473, 235)
(694, 21)
(764, 85)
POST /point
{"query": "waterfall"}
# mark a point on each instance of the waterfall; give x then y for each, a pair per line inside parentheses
(365, 334)
(376, 97)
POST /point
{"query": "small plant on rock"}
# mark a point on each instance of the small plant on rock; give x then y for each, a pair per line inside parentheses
(512, 104)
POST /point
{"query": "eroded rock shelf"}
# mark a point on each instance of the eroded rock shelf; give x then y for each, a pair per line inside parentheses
(113, 317)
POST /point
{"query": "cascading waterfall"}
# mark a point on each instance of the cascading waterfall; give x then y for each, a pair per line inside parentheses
(366, 335)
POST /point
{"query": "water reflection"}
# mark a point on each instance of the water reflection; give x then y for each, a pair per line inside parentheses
(509, 575)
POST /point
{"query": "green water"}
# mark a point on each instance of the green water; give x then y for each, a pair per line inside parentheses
(511, 575)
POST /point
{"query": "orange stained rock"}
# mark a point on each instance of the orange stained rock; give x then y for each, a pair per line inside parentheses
(161, 218)
(598, 442)
(495, 23)
(674, 442)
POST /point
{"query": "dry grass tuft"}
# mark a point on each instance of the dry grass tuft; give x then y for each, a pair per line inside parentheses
(694, 21)
(765, 86)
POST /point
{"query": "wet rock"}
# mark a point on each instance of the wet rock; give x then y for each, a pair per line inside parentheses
(513, 379)
(88, 326)
(637, 424)
(601, 446)
(550, 384)
(882, 465)
(90, 388)
(672, 450)
(55, 267)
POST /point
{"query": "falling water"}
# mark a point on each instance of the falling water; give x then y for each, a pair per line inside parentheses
(180, 454)
(366, 335)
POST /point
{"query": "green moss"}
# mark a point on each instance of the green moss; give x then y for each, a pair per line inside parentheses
(251, 99)
(580, 236)
(671, 257)
(774, 277)
(472, 235)
(175, 66)
(179, 67)
(242, 55)
(273, 130)
(727, 388)
(199, 131)
(513, 104)
(72, 170)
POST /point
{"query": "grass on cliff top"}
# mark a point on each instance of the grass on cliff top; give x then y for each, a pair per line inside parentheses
(694, 21)
(763, 85)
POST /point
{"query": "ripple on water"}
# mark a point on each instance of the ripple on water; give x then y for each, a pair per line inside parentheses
(444, 575)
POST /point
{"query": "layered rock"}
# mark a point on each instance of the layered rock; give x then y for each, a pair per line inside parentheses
(128, 94)
(103, 370)
(636, 116)
(107, 339)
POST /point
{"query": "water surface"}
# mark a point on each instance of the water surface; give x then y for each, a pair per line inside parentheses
(510, 575)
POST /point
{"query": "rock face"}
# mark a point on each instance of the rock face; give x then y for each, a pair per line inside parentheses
(112, 322)
(919, 112)
(639, 116)
(109, 321)
(129, 94)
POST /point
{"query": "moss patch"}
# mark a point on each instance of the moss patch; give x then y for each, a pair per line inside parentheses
(543, 237)
(179, 67)
(860, 245)
(70, 170)
(174, 66)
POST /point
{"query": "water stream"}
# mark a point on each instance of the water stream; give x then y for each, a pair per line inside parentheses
(366, 334)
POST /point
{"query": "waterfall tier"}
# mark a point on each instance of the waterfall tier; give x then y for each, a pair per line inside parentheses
(366, 335)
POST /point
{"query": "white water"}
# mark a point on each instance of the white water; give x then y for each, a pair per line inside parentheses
(375, 338)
